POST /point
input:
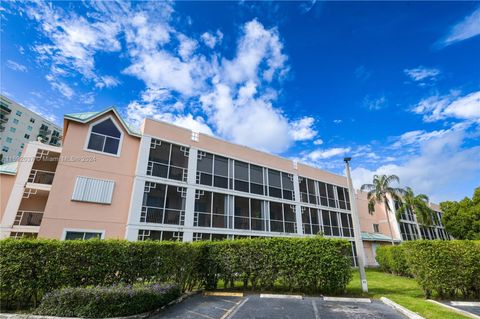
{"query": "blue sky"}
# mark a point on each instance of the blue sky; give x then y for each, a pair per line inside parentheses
(395, 85)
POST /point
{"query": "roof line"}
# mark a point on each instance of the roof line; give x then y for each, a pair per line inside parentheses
(100, 113)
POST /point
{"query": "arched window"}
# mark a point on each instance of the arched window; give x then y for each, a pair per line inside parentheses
(105, 137)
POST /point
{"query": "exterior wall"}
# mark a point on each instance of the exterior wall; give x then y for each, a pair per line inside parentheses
(370, 248)
(379, 217)
(22, 125)
(61, 212)
(6, 186)
(26, 193)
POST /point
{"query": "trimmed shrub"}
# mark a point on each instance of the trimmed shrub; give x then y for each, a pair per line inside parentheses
(392, 259)
(31, 268)
(303, 264)
(104, 302)
(450, 268)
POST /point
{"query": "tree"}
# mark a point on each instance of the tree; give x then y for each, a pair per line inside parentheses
(417, 204)
(462, 219)
(379, 191)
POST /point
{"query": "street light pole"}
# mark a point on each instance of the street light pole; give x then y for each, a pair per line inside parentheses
(356, 227)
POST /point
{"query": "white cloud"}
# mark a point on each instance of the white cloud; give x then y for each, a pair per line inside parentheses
(326, 153)
(107, 81)
(256, 46)
(211, 40)
(137, 112)
(453, 105)
(441, 168)
(318, 142)
(422, 73)
(469, 27)
(417, 136)
(337, 121)
(60, 86)
(302, 129)
(375, 104)
(16, 66)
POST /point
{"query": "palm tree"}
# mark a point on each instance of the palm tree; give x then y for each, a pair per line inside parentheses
(417, 204)
(379, 191)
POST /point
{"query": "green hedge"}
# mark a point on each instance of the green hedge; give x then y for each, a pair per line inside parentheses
(447, 268)
(392, 259)
(104, 302)
(31, 268)
(307, 264)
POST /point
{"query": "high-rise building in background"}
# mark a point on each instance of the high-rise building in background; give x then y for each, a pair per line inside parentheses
(19, 125)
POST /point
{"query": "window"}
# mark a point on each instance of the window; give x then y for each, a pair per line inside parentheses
(163, 204)
(282, 218)
(19, 113)
(5, 149)
(15, 121)
(212, 170)
(93, 190)
(145, 234)
(82, 235)
(376, 228)
(274, 184)
(311, 221)
(26, 136)
(22, 145)
(105, 137)
(30, 128)
(211, 210)
(32, 120)
(241, 176)
(256, 180)
(168, 160)
(9, 140)
(12, 129)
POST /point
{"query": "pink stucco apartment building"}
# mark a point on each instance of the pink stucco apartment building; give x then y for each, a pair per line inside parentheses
(170, 183)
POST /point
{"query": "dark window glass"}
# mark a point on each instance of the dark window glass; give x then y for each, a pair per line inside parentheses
(206, 179)
(256, 174)
(73, 235)
(220, 182)
(276, 211)
(156, 196)
(256, 189)
(221, 166)
(289, 212)
(203, 203)
(220, 206)
(174, 198)
(334, 221)
(327, 228)
(204, 163)
(331, 196)
(274, 178)
(160, 153)
(106, 127)
(287, 181)
(288, 194)
(241, 206)
(111, 145)
(241, 171)
(96, 142)
(303, 189)
(241, 186)
(275, 192)
(179, 157)
(204, 220)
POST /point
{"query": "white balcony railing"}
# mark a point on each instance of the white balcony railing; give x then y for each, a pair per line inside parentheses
(41, 177)
(28, 218)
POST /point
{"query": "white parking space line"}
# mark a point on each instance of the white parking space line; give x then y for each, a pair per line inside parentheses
(315, 309)
(281, 296)
(230, 313)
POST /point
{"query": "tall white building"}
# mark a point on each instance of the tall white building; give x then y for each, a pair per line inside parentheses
(19, 125)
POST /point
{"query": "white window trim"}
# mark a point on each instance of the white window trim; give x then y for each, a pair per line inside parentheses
(83, 230)
(85, 146)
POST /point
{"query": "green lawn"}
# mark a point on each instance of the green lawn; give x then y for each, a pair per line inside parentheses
(404, 291)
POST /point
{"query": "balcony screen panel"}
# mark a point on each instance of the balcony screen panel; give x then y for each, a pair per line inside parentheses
(93, 190)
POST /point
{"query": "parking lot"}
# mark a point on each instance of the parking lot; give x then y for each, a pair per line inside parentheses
(472, 308)
(254, 306)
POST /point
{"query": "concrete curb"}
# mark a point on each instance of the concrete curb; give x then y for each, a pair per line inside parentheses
(138, 316)
(345, 299)
(410, 314)
(465, 303)
(459, 311)
(281, 296)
